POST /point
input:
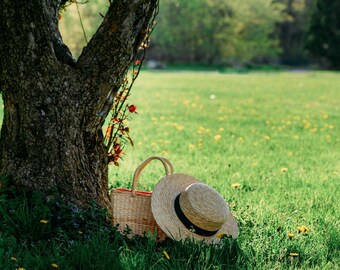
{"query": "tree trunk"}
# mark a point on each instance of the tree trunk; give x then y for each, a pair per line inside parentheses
(54, 106)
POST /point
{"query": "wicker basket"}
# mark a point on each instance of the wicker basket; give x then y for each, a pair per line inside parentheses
(132, 208)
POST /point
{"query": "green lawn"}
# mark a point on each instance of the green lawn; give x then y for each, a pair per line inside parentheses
(276, 134)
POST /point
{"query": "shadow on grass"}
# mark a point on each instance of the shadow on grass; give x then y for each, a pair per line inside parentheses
(36, 234)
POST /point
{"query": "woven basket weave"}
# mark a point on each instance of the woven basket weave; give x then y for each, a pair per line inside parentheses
(132, 208)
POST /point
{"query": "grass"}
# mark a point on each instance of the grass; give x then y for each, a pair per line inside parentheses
(258, 126)
(276, 134)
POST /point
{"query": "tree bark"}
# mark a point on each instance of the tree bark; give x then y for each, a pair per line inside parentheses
(54, 107)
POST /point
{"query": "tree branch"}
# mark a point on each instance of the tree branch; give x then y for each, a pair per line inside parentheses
(29, 33)
(107, 57)
(25, 35)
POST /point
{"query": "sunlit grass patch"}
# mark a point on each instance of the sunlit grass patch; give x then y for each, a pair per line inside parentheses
(267, 141)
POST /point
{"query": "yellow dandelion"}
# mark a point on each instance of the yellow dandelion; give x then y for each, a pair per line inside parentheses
(221, 235)
(191, 146)
(186, 102)
(55, 266)
(294, 254)
(43, 221)
(166, 255)
(221, 129)
(13, 259)
(218, 137)
(179, 127)
(200, 130)
(164, 153)
(307, 125)
(325, 115)
(291, 235)
(303, 229)
(165, 142)
(267, 138)
(284, 170)
(235, 185)
(20, 268)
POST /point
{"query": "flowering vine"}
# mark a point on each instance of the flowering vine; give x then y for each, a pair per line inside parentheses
(117, 133)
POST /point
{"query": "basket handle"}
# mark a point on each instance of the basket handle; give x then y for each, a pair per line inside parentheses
(166, 163)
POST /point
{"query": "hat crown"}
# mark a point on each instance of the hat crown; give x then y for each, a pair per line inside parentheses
(204, 206)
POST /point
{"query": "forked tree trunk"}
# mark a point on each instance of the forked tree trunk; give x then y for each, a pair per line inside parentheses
(54, 107)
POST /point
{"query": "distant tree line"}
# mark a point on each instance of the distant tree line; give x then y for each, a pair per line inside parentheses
(323, 35)
(216, 31)
(237, 33)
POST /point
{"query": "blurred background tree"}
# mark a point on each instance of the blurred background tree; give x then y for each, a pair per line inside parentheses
(228, 33)
(323, 35)
(292, 30)
(216, 32)
(90, 15)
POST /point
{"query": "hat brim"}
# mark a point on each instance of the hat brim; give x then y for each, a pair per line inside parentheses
(162, 206)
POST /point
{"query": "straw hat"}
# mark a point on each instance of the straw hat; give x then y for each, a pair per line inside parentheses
(186, 207)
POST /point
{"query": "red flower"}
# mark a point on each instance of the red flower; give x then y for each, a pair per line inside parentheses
(132, 108)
